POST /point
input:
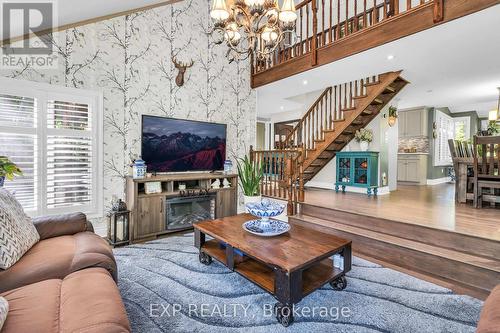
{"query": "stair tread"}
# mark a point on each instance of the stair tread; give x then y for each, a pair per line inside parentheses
(360, 97)
(478, 261)
(348, 109)
(338, 120)
(390, 89)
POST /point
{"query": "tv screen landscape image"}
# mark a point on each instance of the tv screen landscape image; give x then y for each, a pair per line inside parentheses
(176, 145)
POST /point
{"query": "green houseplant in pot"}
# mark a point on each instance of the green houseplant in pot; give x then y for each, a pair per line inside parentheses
(250, 174)
(364, 137)
(8, 169)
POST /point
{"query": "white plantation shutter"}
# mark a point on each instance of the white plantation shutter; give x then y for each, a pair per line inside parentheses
(55, 136)
(445, 130)
(18, 119)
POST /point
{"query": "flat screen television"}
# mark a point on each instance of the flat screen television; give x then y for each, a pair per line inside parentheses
(177, 145)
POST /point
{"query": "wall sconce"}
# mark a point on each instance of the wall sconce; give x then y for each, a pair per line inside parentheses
(392, 116)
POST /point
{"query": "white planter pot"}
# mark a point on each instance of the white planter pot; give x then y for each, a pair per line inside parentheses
(248, 199)
(363, 145)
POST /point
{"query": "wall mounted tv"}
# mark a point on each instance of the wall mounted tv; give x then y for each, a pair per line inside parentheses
(176, 145)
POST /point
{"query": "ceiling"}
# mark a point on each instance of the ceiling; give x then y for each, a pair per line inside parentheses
(455, 65)
(72, 11)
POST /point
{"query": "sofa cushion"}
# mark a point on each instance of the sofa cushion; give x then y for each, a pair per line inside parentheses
(85, 301)
(55, 258)
(489, 322)
(17, 232)
(4, 310)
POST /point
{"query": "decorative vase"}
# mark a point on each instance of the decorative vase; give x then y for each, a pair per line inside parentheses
(139, 169)
(265, 209)
(2, 180)
(363, 145)
(228, 167)
(250, 199)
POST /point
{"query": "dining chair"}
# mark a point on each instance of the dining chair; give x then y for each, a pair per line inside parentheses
(486, 166)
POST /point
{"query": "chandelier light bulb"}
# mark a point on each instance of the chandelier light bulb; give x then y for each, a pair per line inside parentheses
(232, 34)
(219, 10)
(288, 12)
(269, 35)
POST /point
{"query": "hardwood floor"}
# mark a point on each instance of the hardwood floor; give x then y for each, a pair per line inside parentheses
(429, 206)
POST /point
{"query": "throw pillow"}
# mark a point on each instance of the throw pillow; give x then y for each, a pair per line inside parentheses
(17, 232)
(4, 309)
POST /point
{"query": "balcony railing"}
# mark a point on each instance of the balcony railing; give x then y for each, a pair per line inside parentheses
(328, 30)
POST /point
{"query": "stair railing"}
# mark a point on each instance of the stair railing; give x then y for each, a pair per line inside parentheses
(283, 175)
(324, 22)
(324, 113)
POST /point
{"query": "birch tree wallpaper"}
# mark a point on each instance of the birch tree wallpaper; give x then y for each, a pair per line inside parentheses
(129, 58)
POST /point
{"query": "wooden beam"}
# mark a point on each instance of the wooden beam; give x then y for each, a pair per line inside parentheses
(89, 21)
(405, 24)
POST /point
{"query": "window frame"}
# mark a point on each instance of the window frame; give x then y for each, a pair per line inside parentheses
(466, 120)
(42, 93)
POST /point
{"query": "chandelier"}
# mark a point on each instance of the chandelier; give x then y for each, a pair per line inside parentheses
(253, 27)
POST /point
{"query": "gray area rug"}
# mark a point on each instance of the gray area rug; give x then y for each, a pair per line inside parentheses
(166, 289)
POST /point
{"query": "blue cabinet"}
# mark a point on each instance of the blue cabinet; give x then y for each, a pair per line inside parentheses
(358, 169)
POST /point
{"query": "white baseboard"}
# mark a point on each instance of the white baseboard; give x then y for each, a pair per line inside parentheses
(331, 186)
(438, 181)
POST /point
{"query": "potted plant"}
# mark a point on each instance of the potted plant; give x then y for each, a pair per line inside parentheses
(364, 137)
(250, 174)
(392, 115)
(8, 170)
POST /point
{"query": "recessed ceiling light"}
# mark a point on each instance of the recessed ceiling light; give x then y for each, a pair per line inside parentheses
(430, 90)
(390, 57)
(304, 82)
(282, 108)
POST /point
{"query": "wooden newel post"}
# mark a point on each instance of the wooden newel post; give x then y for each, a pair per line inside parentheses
(438, 11)
(301, 174)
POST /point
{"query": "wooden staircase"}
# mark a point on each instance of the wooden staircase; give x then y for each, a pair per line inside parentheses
(332, 121)
(327, 127)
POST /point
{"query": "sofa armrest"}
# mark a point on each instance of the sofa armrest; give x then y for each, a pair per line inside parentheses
(489, 321)
(59, 225)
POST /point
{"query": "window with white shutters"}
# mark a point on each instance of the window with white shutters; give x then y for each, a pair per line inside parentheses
(445, 128)
(54, 135)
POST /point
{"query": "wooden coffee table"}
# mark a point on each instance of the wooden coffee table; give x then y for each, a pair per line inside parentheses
(289, 266)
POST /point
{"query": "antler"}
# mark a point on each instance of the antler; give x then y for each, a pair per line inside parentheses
(181, 64)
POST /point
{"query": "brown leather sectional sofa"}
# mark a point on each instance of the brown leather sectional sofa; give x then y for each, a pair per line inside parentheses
(490, 315)
(64, 283)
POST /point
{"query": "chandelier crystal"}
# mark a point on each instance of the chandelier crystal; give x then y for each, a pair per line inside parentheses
(253, 27)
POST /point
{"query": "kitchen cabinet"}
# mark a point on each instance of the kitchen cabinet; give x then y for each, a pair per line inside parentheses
(413, 123)
(412, 168)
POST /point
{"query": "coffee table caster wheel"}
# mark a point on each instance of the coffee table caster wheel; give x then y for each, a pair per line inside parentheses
(339, 283)
(284, 314)
(205, 259)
